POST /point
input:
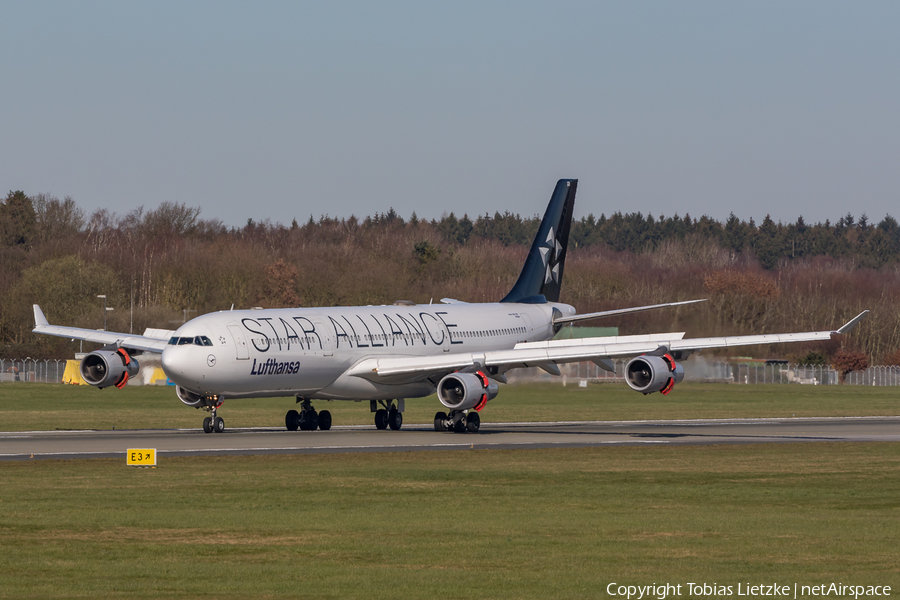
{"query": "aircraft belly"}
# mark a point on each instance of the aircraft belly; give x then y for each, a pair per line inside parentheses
(355, 388)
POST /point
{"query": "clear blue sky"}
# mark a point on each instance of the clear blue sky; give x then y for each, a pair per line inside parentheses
(280, 110)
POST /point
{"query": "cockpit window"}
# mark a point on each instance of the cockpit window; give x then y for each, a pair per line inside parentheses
(200, 340)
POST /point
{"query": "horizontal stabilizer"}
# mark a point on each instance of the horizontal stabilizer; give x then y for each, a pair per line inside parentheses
(621, 311)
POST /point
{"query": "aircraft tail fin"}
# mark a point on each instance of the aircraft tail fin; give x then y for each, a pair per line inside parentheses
(541, 277)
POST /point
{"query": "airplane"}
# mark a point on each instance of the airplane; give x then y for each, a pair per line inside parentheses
(387, 354)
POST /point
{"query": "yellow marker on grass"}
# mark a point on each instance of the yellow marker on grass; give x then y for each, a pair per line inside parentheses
(141, 457)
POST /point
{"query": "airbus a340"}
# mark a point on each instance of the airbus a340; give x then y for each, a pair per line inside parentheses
(386, 354)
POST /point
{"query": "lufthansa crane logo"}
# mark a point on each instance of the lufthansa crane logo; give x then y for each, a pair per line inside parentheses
(211, 360)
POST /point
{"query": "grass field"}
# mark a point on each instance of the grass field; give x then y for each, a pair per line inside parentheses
(31, 406)
(559, 523)
(556, 523)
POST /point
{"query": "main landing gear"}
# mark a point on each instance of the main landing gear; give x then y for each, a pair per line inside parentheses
(307, 419)
(457, 421)
(388, 415)
(212, 423)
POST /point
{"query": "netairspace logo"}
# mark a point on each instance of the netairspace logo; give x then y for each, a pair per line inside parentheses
(662, 591)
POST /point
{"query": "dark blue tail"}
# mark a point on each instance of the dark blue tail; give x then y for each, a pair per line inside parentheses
(541, 277)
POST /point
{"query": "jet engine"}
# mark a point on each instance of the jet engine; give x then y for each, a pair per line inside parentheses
(104, 368)
(648, 374)
(462, 391)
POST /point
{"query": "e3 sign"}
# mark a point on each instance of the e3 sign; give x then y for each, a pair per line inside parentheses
(141, 457)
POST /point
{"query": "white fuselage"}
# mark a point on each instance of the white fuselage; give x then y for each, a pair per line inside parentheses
(306, 351)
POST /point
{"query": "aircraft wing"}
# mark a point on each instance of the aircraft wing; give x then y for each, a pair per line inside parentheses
(547, 354)
(124, 340)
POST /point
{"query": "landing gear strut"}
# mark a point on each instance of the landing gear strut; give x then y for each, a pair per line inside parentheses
(457, 421)
(307, 419)
(389, 415)
(212, 423)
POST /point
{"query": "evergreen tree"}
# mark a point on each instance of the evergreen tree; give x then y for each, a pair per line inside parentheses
(17, 220)
(768, 244)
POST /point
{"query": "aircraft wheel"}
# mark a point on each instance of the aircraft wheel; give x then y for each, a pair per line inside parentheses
(292, 420)
(439, 419)
(207, 425)
(324, 420)
(473, 422)
(459, 426)
(219, 424)
(395, 419)
(309, 420)
(381, 419)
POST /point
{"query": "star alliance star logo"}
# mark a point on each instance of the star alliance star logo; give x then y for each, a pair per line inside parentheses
(550, 255)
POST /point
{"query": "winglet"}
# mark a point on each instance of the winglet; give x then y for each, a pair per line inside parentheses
(852, 322)
(39, 319)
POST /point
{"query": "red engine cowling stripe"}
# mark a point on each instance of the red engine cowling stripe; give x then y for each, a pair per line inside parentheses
(123, 381)
(668, 387)
(669, 361)
(481, 404)
(483, 378)
(125, 355)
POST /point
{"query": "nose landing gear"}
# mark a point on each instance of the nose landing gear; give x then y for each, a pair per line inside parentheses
(213, 423)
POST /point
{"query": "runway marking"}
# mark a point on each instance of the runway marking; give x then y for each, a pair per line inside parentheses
(555, 434)
(731, 421)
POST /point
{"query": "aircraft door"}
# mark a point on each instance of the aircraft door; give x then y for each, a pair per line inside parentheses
(240, 343)
(326, 346)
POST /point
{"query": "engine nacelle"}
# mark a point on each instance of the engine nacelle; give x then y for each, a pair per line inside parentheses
(462, 391)
(197, 400)
(189, 397)
(103, 368)
(648, 374)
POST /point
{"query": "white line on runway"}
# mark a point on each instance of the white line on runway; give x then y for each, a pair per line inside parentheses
(732, 421)
(314, 448)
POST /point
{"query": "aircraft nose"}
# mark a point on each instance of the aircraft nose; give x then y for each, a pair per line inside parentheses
(184, 365)
(170, 364)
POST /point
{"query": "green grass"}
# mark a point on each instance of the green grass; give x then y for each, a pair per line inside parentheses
(559, 523)
(28, 407)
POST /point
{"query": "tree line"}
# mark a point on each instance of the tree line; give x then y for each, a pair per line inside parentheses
(161, 266)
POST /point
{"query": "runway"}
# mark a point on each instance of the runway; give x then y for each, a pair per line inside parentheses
(32, 445)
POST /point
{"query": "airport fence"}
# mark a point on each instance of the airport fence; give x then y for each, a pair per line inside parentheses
(32, 370)
(36, 370)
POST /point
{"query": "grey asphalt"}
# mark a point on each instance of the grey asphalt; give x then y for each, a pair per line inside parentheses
(193, 442)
